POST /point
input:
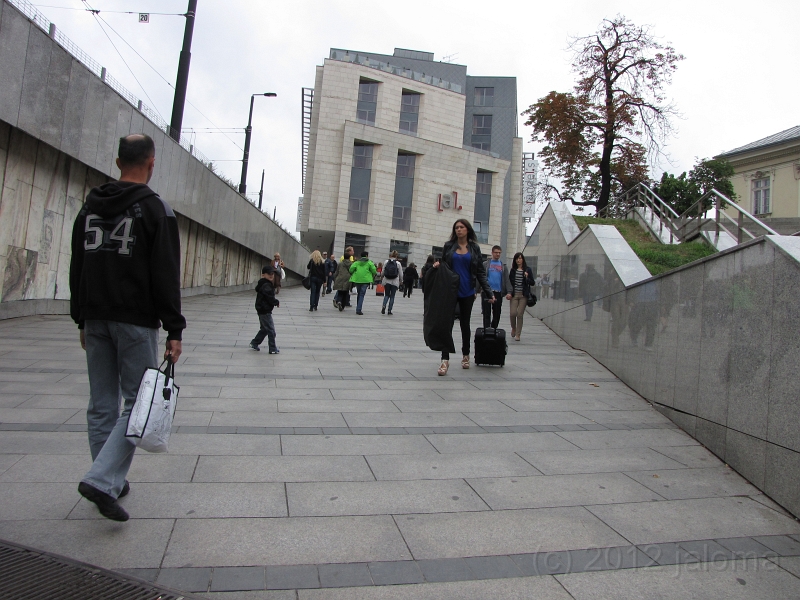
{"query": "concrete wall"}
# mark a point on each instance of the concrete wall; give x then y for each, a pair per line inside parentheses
(713, 345)
(59, 129)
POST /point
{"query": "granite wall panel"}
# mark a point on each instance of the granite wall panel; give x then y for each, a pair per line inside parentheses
(713, 345)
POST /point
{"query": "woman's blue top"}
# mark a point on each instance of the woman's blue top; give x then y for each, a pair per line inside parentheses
(461, 265)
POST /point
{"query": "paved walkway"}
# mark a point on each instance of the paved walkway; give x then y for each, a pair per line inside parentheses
(346, 464)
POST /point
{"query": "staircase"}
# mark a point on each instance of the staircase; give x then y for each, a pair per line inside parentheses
(708, 218)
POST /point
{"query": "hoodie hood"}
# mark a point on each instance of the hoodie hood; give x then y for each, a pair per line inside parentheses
(115, 197)
(364, 259)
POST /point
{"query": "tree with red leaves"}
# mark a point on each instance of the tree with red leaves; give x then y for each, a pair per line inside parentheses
(599, 137)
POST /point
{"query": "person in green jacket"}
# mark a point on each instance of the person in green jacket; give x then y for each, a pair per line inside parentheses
(362, 273)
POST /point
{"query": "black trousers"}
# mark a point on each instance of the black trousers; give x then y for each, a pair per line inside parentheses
(491, 312)
(465, 308)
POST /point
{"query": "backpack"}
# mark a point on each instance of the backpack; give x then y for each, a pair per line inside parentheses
(390, 270)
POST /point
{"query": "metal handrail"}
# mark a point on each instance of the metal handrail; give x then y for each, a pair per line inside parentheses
(721, 202)
(693, 220)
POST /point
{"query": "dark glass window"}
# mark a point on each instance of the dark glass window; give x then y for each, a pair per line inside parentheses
(483, 202)
(409, 112)
(403, 191)
(484, 96)
(367, 102)
(360, 176)
(482, 132)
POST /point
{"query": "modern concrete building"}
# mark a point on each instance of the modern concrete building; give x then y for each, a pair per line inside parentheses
(767, 179)
(398, 147)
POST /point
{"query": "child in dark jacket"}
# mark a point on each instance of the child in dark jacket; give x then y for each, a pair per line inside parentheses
(265, 302)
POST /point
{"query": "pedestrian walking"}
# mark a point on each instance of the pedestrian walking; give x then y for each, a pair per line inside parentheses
(391, 275)
(316, 273)
(546, 286)
(462, 255)
(497, 275)
(410, 279)
(341, 282)
(279, 273)
(521, 280)
(362, 274)
(425, 268)
(265, 302)
(124, 282)
(330, 272)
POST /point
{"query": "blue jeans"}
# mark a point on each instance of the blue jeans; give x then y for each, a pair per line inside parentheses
(316, 288)
(267, 331)
(388, 295)
(362, 291)
(116, 356)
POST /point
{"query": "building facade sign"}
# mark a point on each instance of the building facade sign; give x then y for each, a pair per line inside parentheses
(528, 186)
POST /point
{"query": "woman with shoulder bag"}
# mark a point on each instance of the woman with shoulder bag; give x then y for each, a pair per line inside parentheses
(521, 278)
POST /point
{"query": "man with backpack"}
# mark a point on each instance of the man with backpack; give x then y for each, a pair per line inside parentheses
(391, 281)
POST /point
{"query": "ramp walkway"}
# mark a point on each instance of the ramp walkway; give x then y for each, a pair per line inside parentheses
(345, 468)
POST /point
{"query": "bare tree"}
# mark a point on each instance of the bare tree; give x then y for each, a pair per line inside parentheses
(599, 137)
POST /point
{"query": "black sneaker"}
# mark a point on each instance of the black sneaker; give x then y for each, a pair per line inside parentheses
(341, 306)
(276, 351)
(125, 490)
(383, 311)
(107, 505)
(390, 312)
(254, 347)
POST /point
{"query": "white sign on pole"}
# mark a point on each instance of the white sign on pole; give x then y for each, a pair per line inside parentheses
(144, 17)
(528, 186)
(299, 212)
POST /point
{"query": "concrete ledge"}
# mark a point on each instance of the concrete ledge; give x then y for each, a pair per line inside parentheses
(27, 308)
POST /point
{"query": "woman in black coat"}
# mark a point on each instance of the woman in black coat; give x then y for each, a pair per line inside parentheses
(463, 255)
(521, 278)
(316, 272)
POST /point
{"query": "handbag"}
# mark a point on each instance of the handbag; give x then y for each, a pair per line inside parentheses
(150, 419)
(306, 282)
(531, 300)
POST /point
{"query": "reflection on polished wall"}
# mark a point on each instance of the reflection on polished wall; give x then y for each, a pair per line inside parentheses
(713, 345)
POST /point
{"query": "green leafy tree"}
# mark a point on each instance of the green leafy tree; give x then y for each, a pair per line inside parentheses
(682, 191)
(599, 136)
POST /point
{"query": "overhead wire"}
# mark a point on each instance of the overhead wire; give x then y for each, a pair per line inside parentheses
(220, 129)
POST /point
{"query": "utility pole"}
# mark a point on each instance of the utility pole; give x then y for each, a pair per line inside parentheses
(261, 193)
(183, 74)
(247, 132)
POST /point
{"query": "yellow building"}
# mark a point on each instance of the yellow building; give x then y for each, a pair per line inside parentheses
(767, 178)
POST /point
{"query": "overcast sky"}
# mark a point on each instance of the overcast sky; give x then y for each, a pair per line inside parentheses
(739, 81)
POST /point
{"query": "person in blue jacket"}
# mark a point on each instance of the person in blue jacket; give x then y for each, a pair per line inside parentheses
(463, 255)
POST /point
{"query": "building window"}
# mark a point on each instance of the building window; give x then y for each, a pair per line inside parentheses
(484, 96)
(360, 176)
(367, 102)
(761, 201)
(483, 202)
(403, 191)
(409, 112)
(482, 132)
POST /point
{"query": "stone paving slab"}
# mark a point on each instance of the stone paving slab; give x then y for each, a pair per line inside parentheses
(558, 468)
(449, 466)
(301, 540)
(281, 469)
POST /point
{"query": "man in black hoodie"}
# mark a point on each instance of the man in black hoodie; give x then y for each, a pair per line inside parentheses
(124, 283)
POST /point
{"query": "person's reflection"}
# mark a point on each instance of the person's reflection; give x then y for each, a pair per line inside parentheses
(615, 304)
(668, 299)
(590, 284)
(644, 314)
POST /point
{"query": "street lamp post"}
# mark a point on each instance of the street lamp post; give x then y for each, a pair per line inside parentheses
(247, 132)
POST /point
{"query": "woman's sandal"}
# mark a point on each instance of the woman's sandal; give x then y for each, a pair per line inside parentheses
(443, 367)
(465, 362)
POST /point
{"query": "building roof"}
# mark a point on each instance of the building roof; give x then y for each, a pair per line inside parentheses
(787, 135)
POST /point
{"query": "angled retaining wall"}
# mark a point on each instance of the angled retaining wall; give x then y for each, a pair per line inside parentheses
(59, 129)
(713, 345)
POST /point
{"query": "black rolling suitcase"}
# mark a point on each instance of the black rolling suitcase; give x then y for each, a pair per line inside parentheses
(490, 346)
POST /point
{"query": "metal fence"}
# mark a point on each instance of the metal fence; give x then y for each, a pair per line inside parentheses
(38, 19)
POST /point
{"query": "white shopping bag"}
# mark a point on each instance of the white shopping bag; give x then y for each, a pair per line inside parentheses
(150, 420)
